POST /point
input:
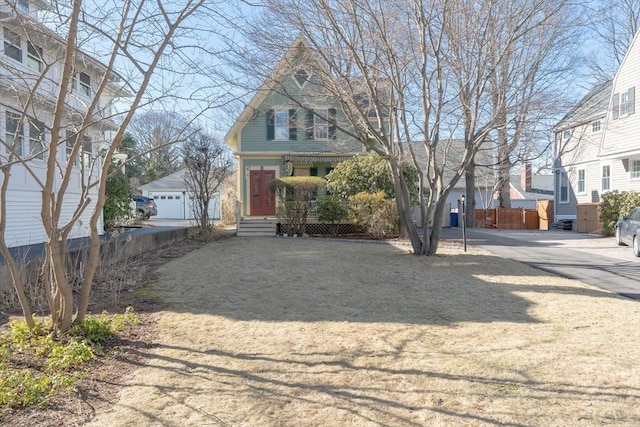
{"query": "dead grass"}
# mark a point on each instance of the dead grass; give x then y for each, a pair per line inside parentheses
(305, 332)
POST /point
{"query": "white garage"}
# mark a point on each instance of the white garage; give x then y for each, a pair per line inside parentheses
(173, 200)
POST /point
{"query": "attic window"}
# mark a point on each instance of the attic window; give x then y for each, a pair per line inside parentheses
(301, 76)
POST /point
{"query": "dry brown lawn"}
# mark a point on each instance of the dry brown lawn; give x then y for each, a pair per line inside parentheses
(307, 332)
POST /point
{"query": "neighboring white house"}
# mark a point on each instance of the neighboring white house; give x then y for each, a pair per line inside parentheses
(32, 55)
(172, 197)
(597, 144)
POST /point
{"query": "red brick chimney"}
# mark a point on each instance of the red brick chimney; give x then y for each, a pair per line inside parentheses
(525, 177)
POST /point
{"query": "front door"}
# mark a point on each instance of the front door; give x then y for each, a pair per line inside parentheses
(263, 200)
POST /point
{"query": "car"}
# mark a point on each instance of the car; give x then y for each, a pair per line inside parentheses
(145, 206)
(628, 231)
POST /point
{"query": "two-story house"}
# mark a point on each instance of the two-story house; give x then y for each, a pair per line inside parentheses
(286, 129)
(597, 144)
(31, 71)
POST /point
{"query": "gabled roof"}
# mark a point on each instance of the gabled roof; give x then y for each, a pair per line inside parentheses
(263, 91)
(541, 187)
(173, 182)
(592, 106)
(449, 155)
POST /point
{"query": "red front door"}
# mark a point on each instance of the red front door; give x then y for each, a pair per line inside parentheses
(263, 200)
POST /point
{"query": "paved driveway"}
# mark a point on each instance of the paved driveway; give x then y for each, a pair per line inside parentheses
(586, 257)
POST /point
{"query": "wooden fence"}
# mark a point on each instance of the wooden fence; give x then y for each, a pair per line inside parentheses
(508, 219)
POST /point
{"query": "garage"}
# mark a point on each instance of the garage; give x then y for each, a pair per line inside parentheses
(172, 198)
(170, 205)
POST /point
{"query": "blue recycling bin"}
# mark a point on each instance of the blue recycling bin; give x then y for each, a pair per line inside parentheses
(454, 219)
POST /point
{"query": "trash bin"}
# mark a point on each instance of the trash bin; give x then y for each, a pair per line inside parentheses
(454, 219)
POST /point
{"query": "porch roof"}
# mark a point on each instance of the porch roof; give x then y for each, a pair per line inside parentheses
(316, 158)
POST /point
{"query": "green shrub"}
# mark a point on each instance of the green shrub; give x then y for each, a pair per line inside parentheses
(368, 173)
(23, 388)
(615, 204)
(117, 207)
(332, 209)
(54, 362)
(374, 211)
(74, 353)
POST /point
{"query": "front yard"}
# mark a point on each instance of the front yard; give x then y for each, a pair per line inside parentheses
(277, 332)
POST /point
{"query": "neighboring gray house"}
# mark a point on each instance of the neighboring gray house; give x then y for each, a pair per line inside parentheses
(598, 142)
(579, 170)
(171, 195)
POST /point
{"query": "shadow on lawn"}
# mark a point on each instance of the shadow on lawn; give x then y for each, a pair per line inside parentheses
(310, 280)
(278, 382)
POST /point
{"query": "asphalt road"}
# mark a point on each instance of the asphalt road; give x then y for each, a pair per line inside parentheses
(589, 258)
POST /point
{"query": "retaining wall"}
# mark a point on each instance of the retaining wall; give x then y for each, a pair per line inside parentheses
(113, 250)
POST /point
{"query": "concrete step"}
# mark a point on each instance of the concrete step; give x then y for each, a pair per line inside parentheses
(256, 227)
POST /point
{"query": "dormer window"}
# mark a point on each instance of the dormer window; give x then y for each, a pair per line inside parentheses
(301, 77)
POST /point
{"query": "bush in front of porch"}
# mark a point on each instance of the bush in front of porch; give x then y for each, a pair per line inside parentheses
(295, 196)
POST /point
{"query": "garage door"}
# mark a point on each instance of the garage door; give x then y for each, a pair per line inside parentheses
(170, 205)
(214, 207)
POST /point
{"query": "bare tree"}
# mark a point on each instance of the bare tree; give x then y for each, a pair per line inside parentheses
(612, 26)
(208, 163)
(413, 78)
(74, 100)
(158, 136)
(524, 92)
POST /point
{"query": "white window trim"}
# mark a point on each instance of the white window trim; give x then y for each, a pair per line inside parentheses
(19, 46)
(631, 177)
(321, 124)
(624, 94)
(31, 123)
(276, 126)
(584, 182)
(20, 134)
(25, 55)
(602, 166)
(566, 176)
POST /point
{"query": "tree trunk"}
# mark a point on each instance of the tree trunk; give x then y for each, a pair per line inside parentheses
(470, 195)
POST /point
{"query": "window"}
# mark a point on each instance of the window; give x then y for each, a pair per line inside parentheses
(624, 103)
(22, 5)
(14, 132)
(12, 45)
(566, 135)
(85, 84)
(564, 188)
(36, 139)
(69, 143)
(582, 188)
(596, 126)
(606, 178)
(635, 169)
(34, 57)
(301, 77)
(282, 125)
(320, 124)
(87, 152)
